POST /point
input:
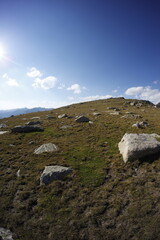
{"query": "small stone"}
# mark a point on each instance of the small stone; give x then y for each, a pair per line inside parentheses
(31, 142)
(3, 132)
(33, 123)
(48, 147)
(11, 145)
(3, 125)
(82, 119)
(35, 118)
(63, 116)
(66, 127)
(90, 122)
(141, 124)
(114, 113)
(18, 173)
(50, 117)
(96, 114)
(5, 234)
(52, 173)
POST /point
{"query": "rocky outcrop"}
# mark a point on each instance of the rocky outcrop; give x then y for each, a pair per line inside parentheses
(52, 173)
(33, 123)
(26, 129)
(135, 146)
(82, 119)
(139, 103)
(48, 147)
(142, 124)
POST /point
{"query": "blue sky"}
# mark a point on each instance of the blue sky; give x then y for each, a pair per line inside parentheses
(57, 52)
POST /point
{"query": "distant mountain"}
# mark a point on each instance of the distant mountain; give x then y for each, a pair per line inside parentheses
(18, 111)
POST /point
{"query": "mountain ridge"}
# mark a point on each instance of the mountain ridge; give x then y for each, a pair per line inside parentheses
(18, 111)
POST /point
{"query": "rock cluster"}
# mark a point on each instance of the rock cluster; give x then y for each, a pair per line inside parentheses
(26, 129)
(142, 124)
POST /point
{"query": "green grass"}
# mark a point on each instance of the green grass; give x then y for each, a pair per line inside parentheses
(103, 198)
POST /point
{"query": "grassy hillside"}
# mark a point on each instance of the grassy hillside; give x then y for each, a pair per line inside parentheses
(104, 198)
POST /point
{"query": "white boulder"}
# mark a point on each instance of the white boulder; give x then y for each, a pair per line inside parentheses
(48, 147)
(52, 173)
(3, 132)
(3, 125)
(63, 116)
(134, 146)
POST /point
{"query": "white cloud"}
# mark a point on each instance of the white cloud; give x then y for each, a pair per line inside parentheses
(71, 98)
(10, 81)
(34, 72)
(61, 86)
(134, 91)
(96, 97)
(115, 91)
(145, 93)
(46, 83)
(156, 82)
(75, 88)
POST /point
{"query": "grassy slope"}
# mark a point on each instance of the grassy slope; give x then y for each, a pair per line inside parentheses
(103, 198)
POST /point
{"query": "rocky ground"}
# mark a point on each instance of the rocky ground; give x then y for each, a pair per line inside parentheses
(102, 197)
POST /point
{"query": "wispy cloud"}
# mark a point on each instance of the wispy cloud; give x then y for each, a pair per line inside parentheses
(10, 81)
(115, 91)
(71, 98)
(61, 86)
(34, 73)
(45, 83)
(76, 88)
(156, 82)
(96, 97)
(146, 93)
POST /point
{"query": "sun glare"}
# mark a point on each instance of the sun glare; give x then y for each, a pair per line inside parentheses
(2, 52)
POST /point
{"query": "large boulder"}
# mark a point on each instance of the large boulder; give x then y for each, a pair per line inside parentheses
(134, 146)
(52, 173)
(82, 119)
(26, 129)
(48, 147)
